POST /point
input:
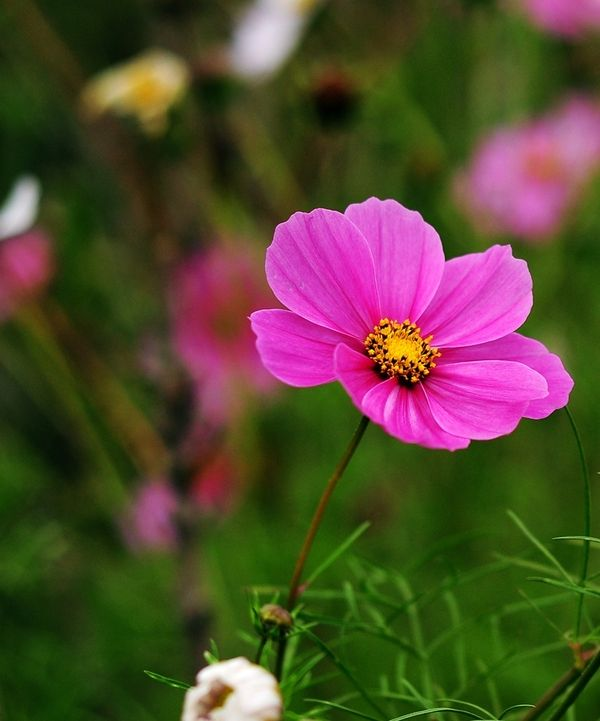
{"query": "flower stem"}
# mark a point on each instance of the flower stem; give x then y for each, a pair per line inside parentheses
(582, 682)
(554, 692)
(320, 511)
(587, 520)
(312, 532)
(261, 648)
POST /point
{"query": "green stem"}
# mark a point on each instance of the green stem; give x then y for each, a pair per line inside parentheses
(312, 532)
(587, 520)
(261, 648)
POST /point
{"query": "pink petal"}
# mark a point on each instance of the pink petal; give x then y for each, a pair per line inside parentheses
(532, 353)
(320, 266)
(295, 350)
(355, 371)
(403, 412)
(483, 399)
(482, 296)
(408, 255)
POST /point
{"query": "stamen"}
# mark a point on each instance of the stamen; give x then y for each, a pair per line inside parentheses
(399, 351)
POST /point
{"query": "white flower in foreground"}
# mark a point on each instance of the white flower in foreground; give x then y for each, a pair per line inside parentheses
(20, 209)
(145, 87)
(267, 34)
(234, 690)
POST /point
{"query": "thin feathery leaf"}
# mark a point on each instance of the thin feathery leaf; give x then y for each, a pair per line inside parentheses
(337, 552)
(339, 707)
(539, 545)
(446, 544)
(536, 606)
(591, 539)
(442, 709)
(167, 681)
(486, 714)
(520, 562)
(346, 671)
(515, 707)
(573, 587)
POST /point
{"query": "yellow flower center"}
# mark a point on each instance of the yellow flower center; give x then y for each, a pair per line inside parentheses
(399, 351)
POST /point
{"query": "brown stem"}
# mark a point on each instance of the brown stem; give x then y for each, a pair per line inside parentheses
(312, 532)
(580, 669)
(319, 512)
(554, 692)
(584, 678)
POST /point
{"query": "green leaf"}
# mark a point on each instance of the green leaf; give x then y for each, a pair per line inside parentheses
(473, 706)
(339, 707)
(442, 709)
(337, 552)
(346, 671)
(591, 539)
(569, 586)
(168, 681)
(514, 708)
(539, 545)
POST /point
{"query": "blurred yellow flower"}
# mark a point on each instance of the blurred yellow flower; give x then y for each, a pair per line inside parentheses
(145, 88)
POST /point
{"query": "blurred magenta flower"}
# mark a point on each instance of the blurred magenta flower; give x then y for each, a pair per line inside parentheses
(215, 485)
(424, 347)
(149, 523)
(26, 262)
(212, 294)
(568, 18)
(523, 179)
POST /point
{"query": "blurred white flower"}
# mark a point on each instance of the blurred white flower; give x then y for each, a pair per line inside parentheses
(266, 35)
(145, 87)
(20, 208)
(234, 690)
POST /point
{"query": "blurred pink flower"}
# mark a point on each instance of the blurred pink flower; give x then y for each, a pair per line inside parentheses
(424, 347)
(523, 179)
(569, 18)
(26, 263)
(215, 485)
(149, 524)
(212, 294)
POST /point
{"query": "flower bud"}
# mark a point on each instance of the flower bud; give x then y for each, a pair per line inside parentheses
(272, 615)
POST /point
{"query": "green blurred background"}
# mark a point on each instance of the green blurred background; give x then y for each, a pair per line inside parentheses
(415, 83)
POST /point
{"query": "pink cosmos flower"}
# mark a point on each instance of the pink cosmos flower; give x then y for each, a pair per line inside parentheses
(568, 18)
(524, 179)
(425, 347)
(149, 524)
(26, 263)
(212, 294)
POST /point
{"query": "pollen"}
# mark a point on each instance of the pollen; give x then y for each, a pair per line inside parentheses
(399, 351)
